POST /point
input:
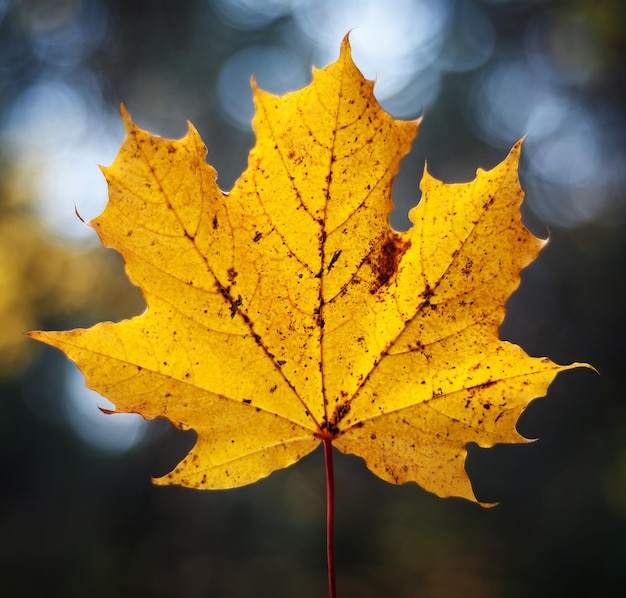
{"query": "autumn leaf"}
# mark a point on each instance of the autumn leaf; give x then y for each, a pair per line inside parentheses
(289, 312)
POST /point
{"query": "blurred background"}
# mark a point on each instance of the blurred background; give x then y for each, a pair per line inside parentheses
(78, 514)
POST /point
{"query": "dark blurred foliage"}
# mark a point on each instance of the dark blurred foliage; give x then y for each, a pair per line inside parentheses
(78, 514)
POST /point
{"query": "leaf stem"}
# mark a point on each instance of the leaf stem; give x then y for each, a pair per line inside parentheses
(330, 515)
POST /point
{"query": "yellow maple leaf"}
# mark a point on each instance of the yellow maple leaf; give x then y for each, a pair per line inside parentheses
(288, 311)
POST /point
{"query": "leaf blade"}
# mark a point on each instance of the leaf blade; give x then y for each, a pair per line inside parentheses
(288, 312)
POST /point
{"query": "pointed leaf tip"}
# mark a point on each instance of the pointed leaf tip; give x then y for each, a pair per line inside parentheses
(126, 118)
(346, 48)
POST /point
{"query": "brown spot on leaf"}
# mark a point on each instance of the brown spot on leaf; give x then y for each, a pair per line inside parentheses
(427, 293)
(334, 259)
(385, 264)
(234, 305)
(340, 412)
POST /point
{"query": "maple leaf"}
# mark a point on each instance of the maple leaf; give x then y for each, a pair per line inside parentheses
(289, 312)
